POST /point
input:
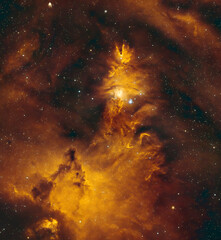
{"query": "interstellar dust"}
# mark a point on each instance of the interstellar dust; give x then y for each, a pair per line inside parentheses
(110, 120)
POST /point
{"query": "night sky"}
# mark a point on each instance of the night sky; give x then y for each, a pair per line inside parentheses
(110, 119)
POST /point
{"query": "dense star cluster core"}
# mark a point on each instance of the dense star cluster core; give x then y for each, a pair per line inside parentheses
(110, 119)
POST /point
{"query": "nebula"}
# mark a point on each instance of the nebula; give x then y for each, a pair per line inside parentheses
(110, 119)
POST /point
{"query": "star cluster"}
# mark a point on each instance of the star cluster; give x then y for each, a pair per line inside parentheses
(110, 119)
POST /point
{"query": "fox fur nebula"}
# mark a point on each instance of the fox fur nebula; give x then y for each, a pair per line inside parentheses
(110, 119)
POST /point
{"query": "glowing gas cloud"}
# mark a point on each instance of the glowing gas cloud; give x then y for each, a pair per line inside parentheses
(110, 120)
(112, 174)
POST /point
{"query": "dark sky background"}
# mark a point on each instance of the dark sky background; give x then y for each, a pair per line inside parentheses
(55, 57)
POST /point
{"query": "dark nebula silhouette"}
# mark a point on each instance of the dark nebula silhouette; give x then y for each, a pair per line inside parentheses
(110, 119)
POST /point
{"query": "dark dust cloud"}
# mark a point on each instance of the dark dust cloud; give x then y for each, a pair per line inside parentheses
(110, 119)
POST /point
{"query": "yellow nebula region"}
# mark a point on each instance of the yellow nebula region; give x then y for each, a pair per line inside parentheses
(110, 119)
(123, 81)
(107, 183)
(44, 229)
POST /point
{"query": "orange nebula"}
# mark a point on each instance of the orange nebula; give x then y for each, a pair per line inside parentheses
(106, 178)
(110, 120)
